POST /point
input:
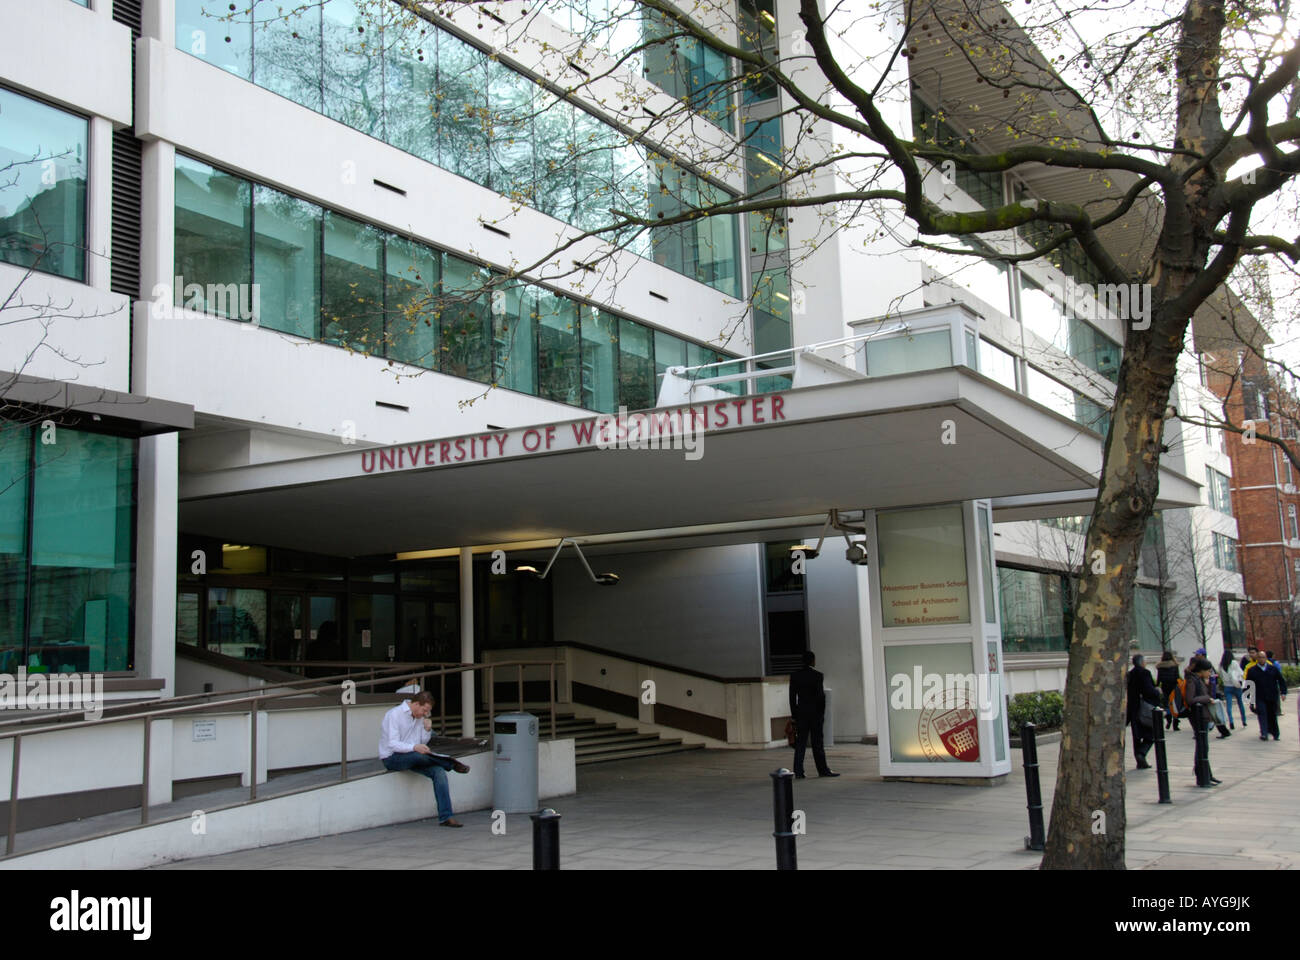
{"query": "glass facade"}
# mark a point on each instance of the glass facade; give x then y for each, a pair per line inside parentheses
(929, 127)
(266, 603)
(320, 275)
(43, 153)
(394, 76)
(67, 549)
(1047, 318)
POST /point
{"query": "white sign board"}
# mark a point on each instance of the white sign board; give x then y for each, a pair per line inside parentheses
(204, 730)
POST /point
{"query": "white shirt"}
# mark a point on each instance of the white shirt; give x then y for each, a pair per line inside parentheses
(400, 731)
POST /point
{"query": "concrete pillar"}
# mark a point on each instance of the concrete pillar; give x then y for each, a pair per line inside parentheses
(467, 641)
(155, 561)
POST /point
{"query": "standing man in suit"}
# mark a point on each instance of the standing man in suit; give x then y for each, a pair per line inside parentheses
(808, 707)
(1140, 688)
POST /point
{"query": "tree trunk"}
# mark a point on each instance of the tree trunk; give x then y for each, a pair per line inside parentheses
(1087, 826)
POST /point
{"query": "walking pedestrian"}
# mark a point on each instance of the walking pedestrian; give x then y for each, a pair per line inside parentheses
(1262, 680)
(1198, 700)
(1167, 677)
(1142, 696)
(1230, 673)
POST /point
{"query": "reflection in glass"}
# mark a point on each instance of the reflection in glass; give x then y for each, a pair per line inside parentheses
(465, 331)
(599, 360)
(514, 325)
(288, 51)
(557, 348)
(354, 78)
(42, 187)
(212, 32)
(213, 239)
(286, 261)
(410, 313)
(352, 287)
(635, 366)
(237, 622)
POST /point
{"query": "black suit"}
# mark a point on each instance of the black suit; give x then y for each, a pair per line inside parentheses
(1141, 687)
(808, 707)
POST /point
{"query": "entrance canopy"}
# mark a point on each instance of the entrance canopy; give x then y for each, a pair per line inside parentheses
(912, 439)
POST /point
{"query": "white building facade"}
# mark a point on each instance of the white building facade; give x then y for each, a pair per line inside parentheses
(270, 240)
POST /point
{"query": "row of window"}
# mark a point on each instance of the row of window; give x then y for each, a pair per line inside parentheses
(396, 77)
(43, 156)
(67, 549)
(248, 252)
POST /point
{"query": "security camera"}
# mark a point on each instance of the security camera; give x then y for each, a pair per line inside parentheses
(856, 554)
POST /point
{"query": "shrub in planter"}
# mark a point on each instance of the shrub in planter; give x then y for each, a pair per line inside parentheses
(1291, 674)
(1043, 708)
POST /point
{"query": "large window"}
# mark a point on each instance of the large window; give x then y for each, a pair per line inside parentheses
(1066, 401)
(1034, 607)
(1225, 552)
(1217, 485)
(245, 251)
(67, 537)
(1046, 317)
(394, 76)
(43, 156)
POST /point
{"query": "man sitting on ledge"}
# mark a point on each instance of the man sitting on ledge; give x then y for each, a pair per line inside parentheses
(403, 745)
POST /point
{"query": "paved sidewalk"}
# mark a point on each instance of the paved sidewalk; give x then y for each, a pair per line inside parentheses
(713, 809)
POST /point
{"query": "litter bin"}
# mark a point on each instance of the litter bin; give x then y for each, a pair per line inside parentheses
(514, 763)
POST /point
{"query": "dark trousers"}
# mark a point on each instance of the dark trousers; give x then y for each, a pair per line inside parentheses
(1267, 711)
(1201, 757)
(1143, 738)
(806, 727)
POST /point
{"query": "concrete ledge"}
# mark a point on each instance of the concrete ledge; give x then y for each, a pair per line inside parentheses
(370, 801)
(955, 781)
(1052, 736)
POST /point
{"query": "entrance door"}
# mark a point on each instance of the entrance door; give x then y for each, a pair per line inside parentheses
(284, 628)
(324, 636)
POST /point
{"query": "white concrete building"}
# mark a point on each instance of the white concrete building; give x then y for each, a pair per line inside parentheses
(240, 228)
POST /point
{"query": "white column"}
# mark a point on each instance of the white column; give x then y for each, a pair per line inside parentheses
(157, 221)
(155, 561)
(467, 641)
(99, 206)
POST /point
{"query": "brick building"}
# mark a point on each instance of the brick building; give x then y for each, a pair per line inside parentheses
(1264, 495)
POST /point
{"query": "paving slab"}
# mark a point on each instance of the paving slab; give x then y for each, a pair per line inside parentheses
(711, 809)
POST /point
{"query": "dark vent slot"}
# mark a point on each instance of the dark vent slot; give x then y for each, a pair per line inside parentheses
(388, 186)
(492, 16)
(658, 296)
(496, 230)
(650, 112)
(589, 267)
(124, 268)
(579, 69)
(392, 406)
(128, 12)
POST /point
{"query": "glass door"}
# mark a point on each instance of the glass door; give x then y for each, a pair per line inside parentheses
(284, 634)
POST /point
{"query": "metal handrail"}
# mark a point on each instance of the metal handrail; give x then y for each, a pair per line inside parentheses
(255, 700)
(138, 709)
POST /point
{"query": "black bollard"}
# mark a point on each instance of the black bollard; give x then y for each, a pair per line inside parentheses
(1202, 733)
(1162, 764)
(546, 840)
(783, 814)
(1034, 791)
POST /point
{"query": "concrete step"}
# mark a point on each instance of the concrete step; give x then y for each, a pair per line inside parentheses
(638, 753)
